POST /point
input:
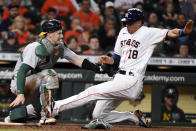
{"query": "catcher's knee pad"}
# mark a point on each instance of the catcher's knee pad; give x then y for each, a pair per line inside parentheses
(18, 114)
(50, 79)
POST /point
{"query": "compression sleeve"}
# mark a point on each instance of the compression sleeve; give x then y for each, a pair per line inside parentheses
(21, 77)
(116, 59)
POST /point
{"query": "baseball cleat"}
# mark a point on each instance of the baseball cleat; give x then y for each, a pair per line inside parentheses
(97, 124)
(142, 120)
(47, 121)
(50, 121)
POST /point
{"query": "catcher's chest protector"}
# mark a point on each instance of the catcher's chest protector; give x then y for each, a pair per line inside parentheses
(48, 54)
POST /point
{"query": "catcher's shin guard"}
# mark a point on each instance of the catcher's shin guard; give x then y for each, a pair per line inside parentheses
(47, 94)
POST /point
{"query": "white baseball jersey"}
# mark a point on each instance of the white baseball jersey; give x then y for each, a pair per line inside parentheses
(136, 49)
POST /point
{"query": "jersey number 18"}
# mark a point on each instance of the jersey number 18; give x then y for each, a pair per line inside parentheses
(133, 54)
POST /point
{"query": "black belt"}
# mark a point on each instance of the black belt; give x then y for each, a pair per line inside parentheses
(125, 72)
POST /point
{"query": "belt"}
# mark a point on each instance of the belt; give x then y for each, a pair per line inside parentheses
(126, 72)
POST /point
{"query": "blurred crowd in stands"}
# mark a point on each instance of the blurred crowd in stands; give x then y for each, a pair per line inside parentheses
(92, 26)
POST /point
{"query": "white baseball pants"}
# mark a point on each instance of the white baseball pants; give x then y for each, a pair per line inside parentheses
(109, 95)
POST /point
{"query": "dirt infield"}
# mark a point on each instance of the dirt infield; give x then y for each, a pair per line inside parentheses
(77, 127)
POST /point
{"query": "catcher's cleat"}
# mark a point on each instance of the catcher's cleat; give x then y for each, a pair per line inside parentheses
(142, 120)
(47, 121)
(97, 124)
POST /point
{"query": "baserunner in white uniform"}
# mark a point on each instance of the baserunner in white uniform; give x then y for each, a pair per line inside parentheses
(35, 81)
(133, 49)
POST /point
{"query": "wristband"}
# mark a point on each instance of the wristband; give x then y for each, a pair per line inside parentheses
(116, 59)
(181, 32)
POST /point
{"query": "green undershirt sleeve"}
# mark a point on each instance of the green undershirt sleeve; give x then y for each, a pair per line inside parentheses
(21, 77)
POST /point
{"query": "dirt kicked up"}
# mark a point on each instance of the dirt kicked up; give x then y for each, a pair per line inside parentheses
(77, 127)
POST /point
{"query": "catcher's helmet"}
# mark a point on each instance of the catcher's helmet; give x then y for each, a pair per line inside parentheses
(50, 26)
(133, 15)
